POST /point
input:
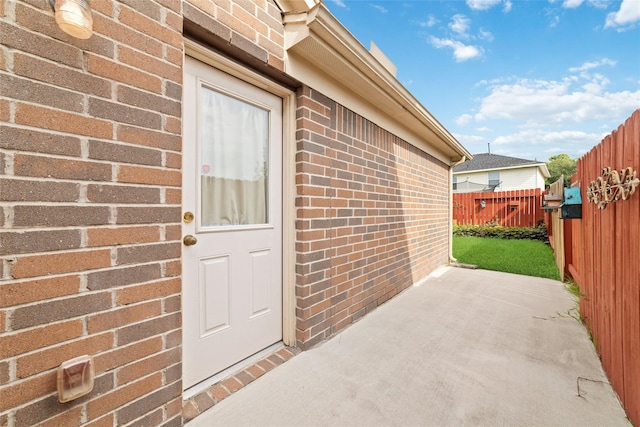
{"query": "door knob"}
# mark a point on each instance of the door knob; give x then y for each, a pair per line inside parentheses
(189, 240)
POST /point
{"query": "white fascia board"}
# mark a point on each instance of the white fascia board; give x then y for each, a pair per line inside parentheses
(544, 170)
(327, 57)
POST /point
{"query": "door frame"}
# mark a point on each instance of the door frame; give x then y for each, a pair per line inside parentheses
(220, 62)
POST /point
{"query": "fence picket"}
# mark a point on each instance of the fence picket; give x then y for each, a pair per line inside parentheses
(514, 208)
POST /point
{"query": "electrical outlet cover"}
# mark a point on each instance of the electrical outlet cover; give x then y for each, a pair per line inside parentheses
(75, 378)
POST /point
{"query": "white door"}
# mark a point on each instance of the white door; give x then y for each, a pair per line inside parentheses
(232, 215)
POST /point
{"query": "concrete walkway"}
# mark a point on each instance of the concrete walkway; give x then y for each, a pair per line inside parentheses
(464, 348)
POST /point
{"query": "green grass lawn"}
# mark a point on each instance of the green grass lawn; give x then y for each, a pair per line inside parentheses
(528, 257)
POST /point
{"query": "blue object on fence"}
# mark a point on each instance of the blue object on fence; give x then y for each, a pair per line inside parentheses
(571, 207)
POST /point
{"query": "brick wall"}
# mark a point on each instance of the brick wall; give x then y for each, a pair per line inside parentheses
(249, 30)
(372, 216)
(90, 193)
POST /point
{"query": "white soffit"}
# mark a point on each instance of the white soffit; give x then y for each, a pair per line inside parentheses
(324, 55)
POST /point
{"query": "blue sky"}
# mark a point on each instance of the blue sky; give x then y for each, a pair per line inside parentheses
(532, 78)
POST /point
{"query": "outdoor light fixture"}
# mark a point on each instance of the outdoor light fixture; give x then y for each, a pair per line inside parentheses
(74, 17)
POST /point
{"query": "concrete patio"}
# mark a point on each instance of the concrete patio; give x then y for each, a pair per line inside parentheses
(464, 348)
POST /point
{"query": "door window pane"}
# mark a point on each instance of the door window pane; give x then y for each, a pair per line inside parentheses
(234, 160)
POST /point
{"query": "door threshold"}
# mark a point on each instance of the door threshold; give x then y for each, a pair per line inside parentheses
(204, 385)
(208, 393)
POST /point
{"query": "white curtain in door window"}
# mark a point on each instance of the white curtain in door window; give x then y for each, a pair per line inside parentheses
(234, 168)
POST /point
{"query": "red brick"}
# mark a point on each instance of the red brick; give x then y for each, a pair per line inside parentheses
(218, 392)
(109, 419)
(14, 243)
(157, 398)
(144, 367)
(149, 64)
(36, 116)
(4, 372)
(124, 153)
(54, 310)
(3, 320)
(32, 339)
(122, 73)
(148, 328)
(69, 418)
(119, 277)
(150, 27)
(122, 356)
(173, 196)
(147, 253)
(145, 175)
(149, 138)
(120, 113)
(4, 111)
(147, 291)
(42, 265)
(53, 73)
(123, 316)
(12, 294)
(173, 268)
(173, 125)
(232, 384)
(18, 393)
(39, 45)
(30, 140)
(124, 34)
(189, 411)
(47, 359)
(47, 167)
(256, 371)
(38, 191)
(120, 194)
(120, 396)
(113, 236)
(148, 215)
(31, 91)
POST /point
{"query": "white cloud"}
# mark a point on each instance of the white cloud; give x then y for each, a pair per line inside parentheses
(485, 35)
(628, 15)
(482, 4)
(483, 129)
(464, 119)
(591, 65)
(507, 6)
(468, 139)
(600, 4)
(553, 103)
(339, 3)
(569, 140)
(460, 25)
(572, 4)
(430, 22)
(461, 52)
(380, 9)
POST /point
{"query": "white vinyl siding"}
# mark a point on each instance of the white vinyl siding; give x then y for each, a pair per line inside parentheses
(511, 179)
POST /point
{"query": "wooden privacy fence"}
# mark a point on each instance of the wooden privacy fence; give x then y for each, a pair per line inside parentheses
(602, 254)
(516, 208)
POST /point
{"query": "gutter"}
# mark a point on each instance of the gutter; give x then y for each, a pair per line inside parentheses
(452, 260)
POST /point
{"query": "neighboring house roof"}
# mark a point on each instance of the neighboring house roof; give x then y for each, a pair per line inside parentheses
(488, 162)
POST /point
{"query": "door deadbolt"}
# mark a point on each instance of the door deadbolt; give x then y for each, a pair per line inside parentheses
(189, 240)
(188, 217)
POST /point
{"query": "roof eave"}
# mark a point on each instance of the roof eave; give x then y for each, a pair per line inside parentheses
(542, 166)
(318, 37)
